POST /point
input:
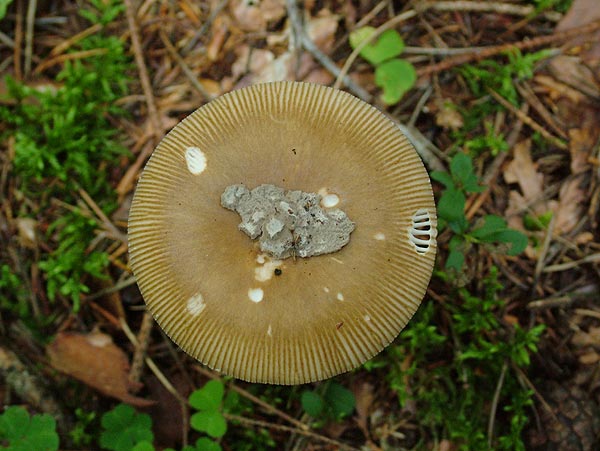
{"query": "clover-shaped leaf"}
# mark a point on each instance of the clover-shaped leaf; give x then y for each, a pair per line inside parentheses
(124, 428)
(208, 397)
(389, 45)
(25, 433)
(395, 77)
(211, 422)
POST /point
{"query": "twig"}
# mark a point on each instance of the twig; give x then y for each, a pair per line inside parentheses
(68, 57)
(143, 340)
(60, 48)
(593, 258)
(323, 59)
(527, 120)
(528, 94)
(491, 7)
(29, 35)
(204, 28)
(425, 148)
(108, 225)
(494, 406)
(246, 394)
(184, 67)
(18, 40)
(162, 379)
(112, 289)
(266, 425)
(539, 266)
(143, 71)
(526, 44)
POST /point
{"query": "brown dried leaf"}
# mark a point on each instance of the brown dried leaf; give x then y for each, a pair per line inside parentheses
(571, 71)
(27, 232)
(321, 30)
(254, 15)
(363, 393)
(96, 361)
(570, 208)
(522, 170)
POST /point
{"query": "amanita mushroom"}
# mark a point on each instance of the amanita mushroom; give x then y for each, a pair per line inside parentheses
(271, 319)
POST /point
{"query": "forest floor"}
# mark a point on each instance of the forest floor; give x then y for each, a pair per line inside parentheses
(501, 101)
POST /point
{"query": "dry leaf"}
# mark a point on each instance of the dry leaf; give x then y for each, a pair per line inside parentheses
(522, 170)
(96, 361)
(569, 209)
(321, 30)
(571, 71)
(252, 15)
(27, 232)
(363, 393)
(583, 12)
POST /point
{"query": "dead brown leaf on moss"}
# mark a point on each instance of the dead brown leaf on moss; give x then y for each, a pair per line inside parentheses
(96, 361)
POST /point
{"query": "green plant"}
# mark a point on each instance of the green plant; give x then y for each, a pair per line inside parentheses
(451, 372)
(332, 402)
(123, 429)
(66, 267)
(21, 432)
(490, 229)
(79, 434)
(501, 76)
(492, 141)
(208, 403)
(393, 75)
(12, 293)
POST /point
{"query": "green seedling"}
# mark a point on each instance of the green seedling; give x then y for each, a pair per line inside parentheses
(21, 432)
(208, 401)
(333, 403)
(491, 229)
(447, 363)
(394, 76)
(124, 428)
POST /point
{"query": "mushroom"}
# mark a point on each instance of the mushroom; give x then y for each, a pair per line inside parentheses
(263, 317)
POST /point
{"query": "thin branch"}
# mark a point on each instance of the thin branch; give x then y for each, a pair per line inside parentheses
(29, 35)
(143, 70)
(323, 59)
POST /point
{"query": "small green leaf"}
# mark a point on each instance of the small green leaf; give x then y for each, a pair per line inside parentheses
(3, 5)
(340, 399)
(124, 428)
(516, 239)
(395, 77)
(388, 45)
(455, 260)
(143, 446)
(451, 205)
(492, 224)
(25, 433)
(211, 422)
(206, 444)
(208, 397)
(312, 403)
(443, 177)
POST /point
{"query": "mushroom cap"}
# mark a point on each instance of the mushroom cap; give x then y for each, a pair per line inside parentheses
(207, 283)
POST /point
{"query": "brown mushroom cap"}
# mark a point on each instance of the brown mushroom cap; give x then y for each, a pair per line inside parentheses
(207, 283)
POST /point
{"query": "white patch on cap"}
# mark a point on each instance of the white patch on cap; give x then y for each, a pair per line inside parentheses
(330, 201)
(367, 318)
(379, 236)
(256, 294)
(326, 290)
(195, 305)
(270, 331)
(340, 297)
(196, 160)
(337, 260)
(267, 270)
